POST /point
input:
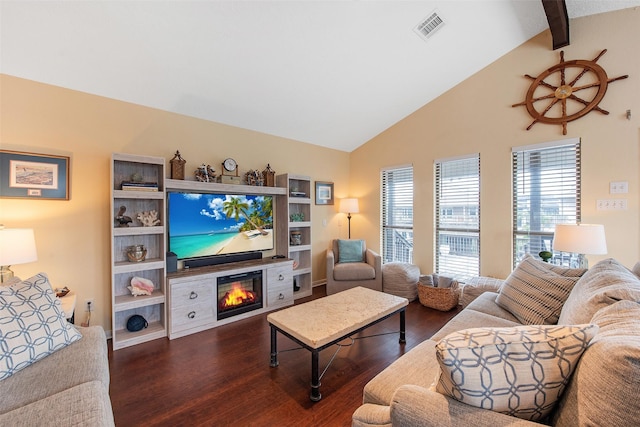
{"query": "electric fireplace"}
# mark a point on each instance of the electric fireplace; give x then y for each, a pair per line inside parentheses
(239, 293)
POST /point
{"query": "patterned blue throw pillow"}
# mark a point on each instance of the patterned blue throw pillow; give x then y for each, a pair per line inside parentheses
(32, 324)
(519, 371)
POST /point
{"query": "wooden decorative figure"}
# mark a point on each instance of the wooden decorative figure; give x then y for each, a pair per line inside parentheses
(558, 85)
(177, 166)
(269, 176)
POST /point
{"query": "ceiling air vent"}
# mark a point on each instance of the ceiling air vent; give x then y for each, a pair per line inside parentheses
(429, 25)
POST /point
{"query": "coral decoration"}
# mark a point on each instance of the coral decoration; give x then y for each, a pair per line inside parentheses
(141, 286)
(148, 218)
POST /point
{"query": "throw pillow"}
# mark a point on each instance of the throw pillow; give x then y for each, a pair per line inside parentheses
(476, 286)
(608, 373)
(604, 284)
(350, 251)
(32, 324)
(636, 269)
(11, 281)
(519, 371)
(536, 291)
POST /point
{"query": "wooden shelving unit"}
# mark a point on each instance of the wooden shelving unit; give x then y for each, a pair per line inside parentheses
(297, 201)
(124, 305)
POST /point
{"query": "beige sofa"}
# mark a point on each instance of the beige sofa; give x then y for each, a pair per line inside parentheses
(67, 388)
(51, 373)
(602, 390)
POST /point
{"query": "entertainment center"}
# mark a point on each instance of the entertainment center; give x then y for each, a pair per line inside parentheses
(235, 260)
(194, 294)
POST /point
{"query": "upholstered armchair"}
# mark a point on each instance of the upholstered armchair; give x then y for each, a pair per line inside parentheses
(358, 266)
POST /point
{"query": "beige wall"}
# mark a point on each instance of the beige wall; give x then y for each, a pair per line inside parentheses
(476, 116)
(72, 236)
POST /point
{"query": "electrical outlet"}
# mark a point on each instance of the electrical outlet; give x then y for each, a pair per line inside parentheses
(87, 302)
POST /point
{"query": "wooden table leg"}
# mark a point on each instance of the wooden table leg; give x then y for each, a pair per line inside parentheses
(402, 326)
(315, 377)
(274, 347)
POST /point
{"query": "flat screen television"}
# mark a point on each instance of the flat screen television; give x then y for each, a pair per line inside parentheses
(209, 224)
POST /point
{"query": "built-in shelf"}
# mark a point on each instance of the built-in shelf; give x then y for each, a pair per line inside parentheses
(216, 187)
(127, 167)
(128, 302)
(296, 206)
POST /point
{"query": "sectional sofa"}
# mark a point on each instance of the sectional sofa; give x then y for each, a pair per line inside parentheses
(51, 372)
(552, 346)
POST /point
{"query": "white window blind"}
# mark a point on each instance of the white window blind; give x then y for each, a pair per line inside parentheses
(457, 213)
(546, 192)
(397, 214)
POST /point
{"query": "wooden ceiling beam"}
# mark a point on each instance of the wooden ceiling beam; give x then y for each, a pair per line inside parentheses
(556, 11)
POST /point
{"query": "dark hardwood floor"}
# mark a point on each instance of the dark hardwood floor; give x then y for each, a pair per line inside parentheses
(222, 376)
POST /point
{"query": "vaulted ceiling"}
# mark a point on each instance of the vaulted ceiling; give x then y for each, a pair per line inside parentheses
(331, 73)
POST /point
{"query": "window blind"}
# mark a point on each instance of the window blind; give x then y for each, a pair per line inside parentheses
(397, 214)
(457, 214)
(546, 192)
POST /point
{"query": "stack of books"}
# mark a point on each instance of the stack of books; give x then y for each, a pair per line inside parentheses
(139, 186)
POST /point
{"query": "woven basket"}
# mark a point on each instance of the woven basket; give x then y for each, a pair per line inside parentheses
(443, 299)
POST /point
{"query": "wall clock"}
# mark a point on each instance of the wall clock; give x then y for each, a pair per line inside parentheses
(567, 91)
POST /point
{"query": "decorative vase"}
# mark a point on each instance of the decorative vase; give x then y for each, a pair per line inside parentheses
(296, 238)
(136, 253)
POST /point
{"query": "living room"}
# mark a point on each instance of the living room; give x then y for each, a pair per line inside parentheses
(475, 116)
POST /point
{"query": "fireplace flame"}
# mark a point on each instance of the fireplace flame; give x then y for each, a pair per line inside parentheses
(237, 296)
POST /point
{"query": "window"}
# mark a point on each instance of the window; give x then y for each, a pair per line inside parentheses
(457, 233)
(546, 192)
(397, 214)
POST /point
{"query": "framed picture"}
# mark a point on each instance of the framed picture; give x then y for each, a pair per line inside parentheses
(33, 176)
(324, 193)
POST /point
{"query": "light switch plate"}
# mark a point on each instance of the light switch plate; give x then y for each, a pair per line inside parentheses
(618, 187)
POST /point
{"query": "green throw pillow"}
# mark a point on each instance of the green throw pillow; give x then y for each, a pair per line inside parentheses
(350, 251)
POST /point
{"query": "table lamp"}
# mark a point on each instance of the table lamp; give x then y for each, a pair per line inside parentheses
(582, 239)
(17, 246)
(349, 206)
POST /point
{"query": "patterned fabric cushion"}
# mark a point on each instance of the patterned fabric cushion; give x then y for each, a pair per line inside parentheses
(604, 284)
(519, 371)
(32, 324)
(11, 281)
(350, 251)
(604, 387)
(536, 291)
(474, 287)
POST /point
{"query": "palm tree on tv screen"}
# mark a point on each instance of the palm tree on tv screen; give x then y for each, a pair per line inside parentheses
(234, 207)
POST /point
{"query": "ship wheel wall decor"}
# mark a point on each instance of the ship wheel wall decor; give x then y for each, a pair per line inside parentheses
(567, 91)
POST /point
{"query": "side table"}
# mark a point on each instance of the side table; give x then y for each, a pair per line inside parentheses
(69, 306)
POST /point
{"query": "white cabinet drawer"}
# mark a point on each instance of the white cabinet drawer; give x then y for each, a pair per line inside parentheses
(191, 293)
(191, 316)
(280, 286)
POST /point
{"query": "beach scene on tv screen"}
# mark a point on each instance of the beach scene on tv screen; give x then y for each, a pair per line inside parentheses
(219, 224)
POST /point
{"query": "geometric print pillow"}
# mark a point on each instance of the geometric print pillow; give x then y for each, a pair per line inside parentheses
(32, 324)
(536, 291)
(519, 371)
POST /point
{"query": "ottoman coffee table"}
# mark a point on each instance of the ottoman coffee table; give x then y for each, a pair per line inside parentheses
(326, 321)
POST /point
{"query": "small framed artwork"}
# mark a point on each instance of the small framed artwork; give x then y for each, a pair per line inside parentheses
(324, 193)
(33, 176)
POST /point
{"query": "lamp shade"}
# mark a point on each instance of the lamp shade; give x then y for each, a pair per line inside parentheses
(17, 246)
(580, 239)
(349, 206)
